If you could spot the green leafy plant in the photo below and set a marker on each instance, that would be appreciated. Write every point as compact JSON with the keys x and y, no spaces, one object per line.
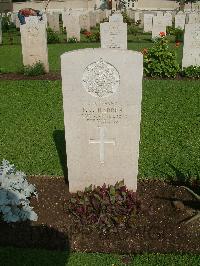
{"x":34,"y":70}
{"x":126,"y":18}
{"x":52,"y":36}
{"x":132,"y":29}
{"x":15,"y":192}
{"x":159,"y":60}
{"x":72,"y":40}
{"x":179,"y":34}
{"x":170,"y":30}
{"x":92,"y":36}
{"x":105,"y":207}
{"x":7,"y":25}
{"x":191,"y":72}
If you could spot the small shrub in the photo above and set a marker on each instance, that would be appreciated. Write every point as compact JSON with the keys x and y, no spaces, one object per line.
{"x":191,"y":72}
{"x":7,"y":25}
{"x":34,"y":70}
{"x":170,"y":30}
{"x":132,"y":29}
{"x":52,"y":36}
{"x":72,"y":40}
{"x":179,"y":35}
{"x":126,"y":18}
{"x":15,"y":192}
{"x":159,"y":60}
{"x":92,"y":37}
{"x":105,"y":207}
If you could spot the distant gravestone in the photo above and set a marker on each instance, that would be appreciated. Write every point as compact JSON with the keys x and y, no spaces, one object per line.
{"x":92,"y":18}
{"x":113,"y":35}
{"x":34,"y":42}
{"x":194,"y":18}
{"x":84,"y":20}
{"x":116,"y":17}
{"x":159,"y":25}
{"x":191,"y":49}
{"x":168,"y":19}
{"x":102,"y":113}
{"x":148,"y":22}
{"x":180,"y":21}
{"x":72,"y":25}
{"x":97,"y":16}
{"x":53,"y":21}
{"x":137,"y":16}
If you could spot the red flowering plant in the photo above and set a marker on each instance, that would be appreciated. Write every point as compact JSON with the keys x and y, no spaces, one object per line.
{"x":162,"y":34}
{"x":177,"y":44}
{"x":159,"y":60}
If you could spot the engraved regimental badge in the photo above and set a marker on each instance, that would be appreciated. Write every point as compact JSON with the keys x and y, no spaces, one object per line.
{"x":101,"y":79}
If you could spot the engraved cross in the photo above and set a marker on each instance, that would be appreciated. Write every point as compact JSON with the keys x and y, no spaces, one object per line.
{"x":102,"y":141}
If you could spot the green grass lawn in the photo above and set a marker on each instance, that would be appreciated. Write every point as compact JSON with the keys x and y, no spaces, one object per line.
{"x":32,"y":128}
{"x":29,"y":257}
{"x":11,"y":55}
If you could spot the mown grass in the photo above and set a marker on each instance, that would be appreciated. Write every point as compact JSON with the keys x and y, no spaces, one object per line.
{"x":32,"y":127}
{"x":11,"y":55}
{"x":33,"y":257}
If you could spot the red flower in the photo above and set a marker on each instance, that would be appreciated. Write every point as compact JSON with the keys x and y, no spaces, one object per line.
{"x":87,"y":33}
{"x":144,"y":51}
{"x":177,"y":44}
{"x":162,"y":34}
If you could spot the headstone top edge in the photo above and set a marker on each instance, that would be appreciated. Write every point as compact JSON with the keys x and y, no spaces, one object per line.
{"x":110,"y":50}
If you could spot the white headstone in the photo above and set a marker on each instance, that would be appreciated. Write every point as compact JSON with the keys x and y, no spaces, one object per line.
{"x":113,"y":35}
{"x":148,"y":22}
{"x":137,"y":16}
{"x":84,"y":20}
{"x":53,"y":21}
{"x":72,"y":25}
{"x":92,"y":18}
{"x":34,"y":42}
{"x":116,"y":17}
{"x":180,"y":21}
{"x":159,"y":25}
{"x":191,"y":49}
{"x":168,"y":19}
{"x":194,"y":18}
{"x":102,"y":93}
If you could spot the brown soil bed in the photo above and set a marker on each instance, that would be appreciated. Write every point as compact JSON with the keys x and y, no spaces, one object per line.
{"x":158,"y":227}
{"x":17,"y":76}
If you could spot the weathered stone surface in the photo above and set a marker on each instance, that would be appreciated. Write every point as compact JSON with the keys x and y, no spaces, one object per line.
{"x":191,"y":49}
{"x":53,"y":21}
{"x":34,"y":42}
{"x":148,"y":22}
{"x":113,"y":35}
{"x":116,"y":17}
{"x":72,"y":24}
{"x":85,"y":21}
{"x":180,"y":21}
{"x":102,"y":93}
{"x":159,"y":25}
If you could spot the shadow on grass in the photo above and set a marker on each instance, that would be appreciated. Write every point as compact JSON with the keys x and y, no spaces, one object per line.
{"x":59,"y":139}
{"x":27,"y":235}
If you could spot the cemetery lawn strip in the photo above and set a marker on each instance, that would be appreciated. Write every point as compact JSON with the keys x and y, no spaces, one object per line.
{"x":11,"y":55}
{"x":32,"y":128}
{"x":156,"y":229}
{"x":33,"y":257}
